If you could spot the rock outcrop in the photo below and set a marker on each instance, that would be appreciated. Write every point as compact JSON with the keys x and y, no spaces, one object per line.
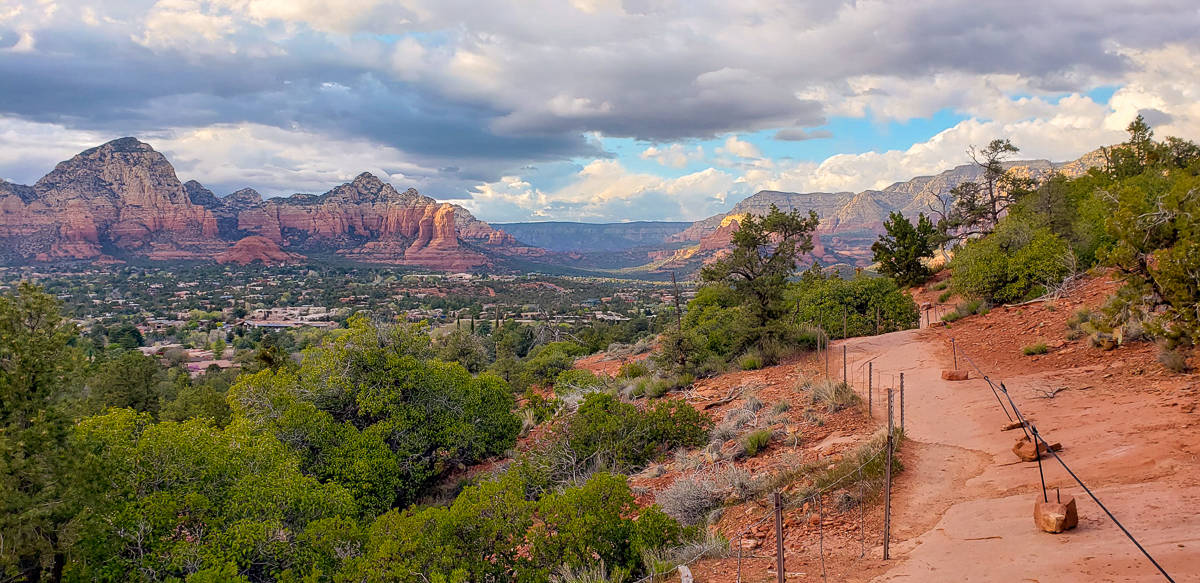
{"x":256,"y":248}
{"x":851,"y":222}
{"x":120,"y":197}
{"x":123,"y":198}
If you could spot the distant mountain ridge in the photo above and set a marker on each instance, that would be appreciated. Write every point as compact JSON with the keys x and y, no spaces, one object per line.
{"x":123,"y":199}
{"x":565,"y":236}
{"x":851,"y":222}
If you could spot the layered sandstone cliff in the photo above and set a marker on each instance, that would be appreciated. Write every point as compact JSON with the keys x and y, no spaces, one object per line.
{"x":123,"y":198}
{"x":119,"y":197}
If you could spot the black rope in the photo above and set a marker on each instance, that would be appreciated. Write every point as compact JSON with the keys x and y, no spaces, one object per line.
{"x":1110,"y":514}
{"x":1038,"y":438}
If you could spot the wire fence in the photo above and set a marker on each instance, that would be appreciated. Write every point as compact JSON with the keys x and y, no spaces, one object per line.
{"x":817,"y":494}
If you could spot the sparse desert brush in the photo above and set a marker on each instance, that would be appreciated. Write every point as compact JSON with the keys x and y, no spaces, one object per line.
{"x":739,"y":483}
{"x":941,"y":285}
{"x":810,"y":416}
{"x":1032,"y":349}
{"x":845,"y":501}
{"x":756,"y":441}
{"x":752,"y":404}
{"x":1075,"y":334}
{"x":595,"y":573}
{"x":723,"y":432}
{"x":945,"y":296}
{"x":781,"y":407}
{"x":660,"y":562}
{"x":689,"y":499}
{"x":1173,"y":359}
{"x":739,"y":418}
{"x":835,"y":396}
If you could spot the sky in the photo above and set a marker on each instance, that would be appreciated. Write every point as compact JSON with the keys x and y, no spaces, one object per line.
{"x":586,"y":110}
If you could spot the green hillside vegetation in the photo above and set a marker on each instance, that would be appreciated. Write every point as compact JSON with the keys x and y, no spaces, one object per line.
{"x":1136,"y":214}
{"x":320,"y":468}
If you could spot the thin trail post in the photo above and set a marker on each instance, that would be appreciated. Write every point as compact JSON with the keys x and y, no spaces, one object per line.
{"x":779,"y":566}
{"x":870,"y":389}
{"x":739,"y":559}
{"x":887,"y":486}
{"x":954,"y":351}
{"x":826,"y":357}
{"x":843,"y":364}
{"x":1041,"y":474}
{"x":862,"y":515}
{"x":821,"y":534}
{"x":901,"y":401}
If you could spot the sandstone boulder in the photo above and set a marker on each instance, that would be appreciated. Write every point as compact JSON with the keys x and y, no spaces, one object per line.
{"x":955,"y":375}
{"x":1057,"y":515}
{"x":1025,"y":450}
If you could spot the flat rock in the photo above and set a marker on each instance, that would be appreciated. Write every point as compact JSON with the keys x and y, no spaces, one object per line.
{"x":955,"y":375}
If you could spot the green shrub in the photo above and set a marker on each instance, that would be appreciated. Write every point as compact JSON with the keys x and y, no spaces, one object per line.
{"x":633,"y":369}
{"x":1032,"y":349}
{"x":823,"y":300}
{"x":941,"y":285}
{"x":621,"y":437}
{"x":752,"y":360}
{"x":1077,"y":319}
{"x":1013,"y":264}
{"x":575,"y":380}
{"x":945,"y":296}
{"x":756,"y":441}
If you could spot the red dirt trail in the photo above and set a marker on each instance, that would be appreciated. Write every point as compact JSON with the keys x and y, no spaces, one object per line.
{"x":962,"y":508}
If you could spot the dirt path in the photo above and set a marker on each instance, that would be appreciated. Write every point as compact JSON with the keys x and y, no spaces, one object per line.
{"x":963,"y":505}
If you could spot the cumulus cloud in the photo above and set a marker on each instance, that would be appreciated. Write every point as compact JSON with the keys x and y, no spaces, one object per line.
{"x":604,"y":190}
{"x":674,"y":155}
{"x":453,"y":94}
{"x":739,"y":149}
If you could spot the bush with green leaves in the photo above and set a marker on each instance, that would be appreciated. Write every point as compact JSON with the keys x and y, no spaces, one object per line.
{"x":620,"y":437}
{"x":870,"y":304}
{"x":377,"y":387}
{"x":167,"y":496}
{"x":1015,"y":263}
{"x":756,"y":441}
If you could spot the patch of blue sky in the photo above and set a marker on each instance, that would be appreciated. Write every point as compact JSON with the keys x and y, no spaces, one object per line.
{"x":848,"y":135}
{"x":1102,"y":94}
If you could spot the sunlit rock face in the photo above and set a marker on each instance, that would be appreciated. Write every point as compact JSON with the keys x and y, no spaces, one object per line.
{"x":123,"y":198}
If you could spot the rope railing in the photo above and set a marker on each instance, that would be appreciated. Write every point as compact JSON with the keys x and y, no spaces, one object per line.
{"x":1032,"y":433}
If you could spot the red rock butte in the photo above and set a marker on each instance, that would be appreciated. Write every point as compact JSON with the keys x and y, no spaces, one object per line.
{"x":123,"y":199}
